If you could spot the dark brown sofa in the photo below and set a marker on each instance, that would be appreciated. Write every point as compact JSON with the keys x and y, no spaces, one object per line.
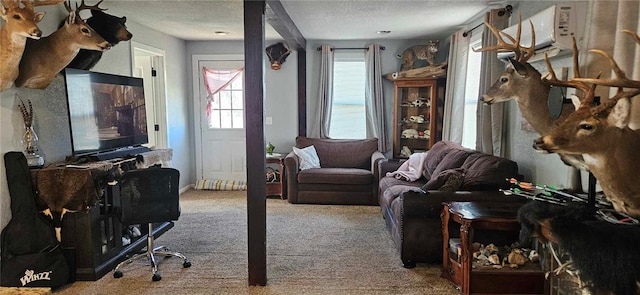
{"x":348,"y":173}
{"x":412,"y":212}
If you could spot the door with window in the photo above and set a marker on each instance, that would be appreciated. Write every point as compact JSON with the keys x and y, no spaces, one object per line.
{"x":222,"y":148}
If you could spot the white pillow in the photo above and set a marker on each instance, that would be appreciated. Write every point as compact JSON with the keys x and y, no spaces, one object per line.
{"x":308,"y":157}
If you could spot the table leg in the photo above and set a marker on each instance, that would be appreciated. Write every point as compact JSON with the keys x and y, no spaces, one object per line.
{"x":444,"y":216}
{"x":466,"y":238}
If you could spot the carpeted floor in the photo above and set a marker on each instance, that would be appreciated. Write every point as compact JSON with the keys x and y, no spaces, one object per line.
{"x":312,"y":249}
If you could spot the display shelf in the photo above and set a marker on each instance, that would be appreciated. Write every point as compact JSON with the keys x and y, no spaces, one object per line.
{"x":417,"y":115}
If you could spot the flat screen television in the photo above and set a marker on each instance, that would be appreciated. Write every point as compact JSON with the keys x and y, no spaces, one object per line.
{"x":106,"y":112}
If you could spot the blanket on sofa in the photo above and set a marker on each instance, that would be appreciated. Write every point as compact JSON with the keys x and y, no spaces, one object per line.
{"x":411,"y":169}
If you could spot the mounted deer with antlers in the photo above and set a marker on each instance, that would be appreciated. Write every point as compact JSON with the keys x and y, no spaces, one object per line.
{"x":522,"y":83}
{"x":44,"y":58}
{"x":20,"y":23}
{"x":602,"y":136}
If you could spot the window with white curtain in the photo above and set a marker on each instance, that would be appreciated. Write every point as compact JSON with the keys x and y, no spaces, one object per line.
{"x":348,"y":111}
{"x":472,"y":92}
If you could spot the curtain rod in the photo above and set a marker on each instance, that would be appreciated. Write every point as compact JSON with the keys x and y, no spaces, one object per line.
{"x":348,"y":48}
{"x":502,"y":11}
{"x":466,"y":33}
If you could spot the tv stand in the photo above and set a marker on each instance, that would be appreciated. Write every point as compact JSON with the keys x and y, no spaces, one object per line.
{"x":119,"y":153}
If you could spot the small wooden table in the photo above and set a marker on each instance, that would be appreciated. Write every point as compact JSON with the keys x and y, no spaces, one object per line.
{"x":276,"y":188}
{"x":528,"y":279}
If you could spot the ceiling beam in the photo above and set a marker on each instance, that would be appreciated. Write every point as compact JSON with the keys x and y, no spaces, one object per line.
{"x":280,"y":21}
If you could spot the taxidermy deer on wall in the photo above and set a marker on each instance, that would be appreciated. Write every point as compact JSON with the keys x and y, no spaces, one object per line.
{"x":522,"y":83}
{"x":44,"y":58}
{"x":601,"y":134}
{"x":20,"y":23}
{"x":111,"y":28}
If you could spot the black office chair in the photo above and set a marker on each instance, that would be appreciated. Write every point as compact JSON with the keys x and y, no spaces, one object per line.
{"x":150,"y":196}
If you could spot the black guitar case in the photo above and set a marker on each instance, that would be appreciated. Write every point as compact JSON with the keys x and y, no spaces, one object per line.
{"x":31,"y":255}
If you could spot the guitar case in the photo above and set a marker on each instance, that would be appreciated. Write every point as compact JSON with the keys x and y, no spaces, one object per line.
{"x":31,"y":256}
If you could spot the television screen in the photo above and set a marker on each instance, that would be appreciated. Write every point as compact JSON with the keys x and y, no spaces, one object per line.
{"x":106,"y":112}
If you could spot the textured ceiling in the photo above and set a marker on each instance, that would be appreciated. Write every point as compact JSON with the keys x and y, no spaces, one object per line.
{"x":329,"y":19}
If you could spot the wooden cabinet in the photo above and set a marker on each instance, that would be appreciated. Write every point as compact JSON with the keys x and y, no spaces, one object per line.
{"x":92,"y":240}
{"x":275,"y":183}
{"x":477,"y":221}
{"x":417,"y":114}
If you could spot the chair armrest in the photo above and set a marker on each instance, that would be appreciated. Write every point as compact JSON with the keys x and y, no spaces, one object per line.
{"x":388,"y":165}
{"x":292,"y":163}
{"x":291,"y":167}
{"x":375,"y":158}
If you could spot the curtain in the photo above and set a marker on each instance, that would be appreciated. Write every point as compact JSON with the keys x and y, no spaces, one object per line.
{"x":374,"y":98}
{"x":216,"y":80}
{"x":322,"y":119}
{"x":457,"y":75}
{"x":604,"y":31}
{"x":491,"y":118}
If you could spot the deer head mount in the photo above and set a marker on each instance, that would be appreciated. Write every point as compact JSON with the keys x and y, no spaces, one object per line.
{"x":522,"y":82}
{"x":111,"y":28}
{"x":277,"y":54}
{"x":20,"y":23}
{"x":601,"y":134}
{"x":44,"y":58}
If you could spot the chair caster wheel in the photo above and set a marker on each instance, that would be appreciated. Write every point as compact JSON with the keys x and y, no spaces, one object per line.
{"x":117,"y":274}
{"x":409,"y":264}
{"x":186,"y":264}
{"x":156,"y":277}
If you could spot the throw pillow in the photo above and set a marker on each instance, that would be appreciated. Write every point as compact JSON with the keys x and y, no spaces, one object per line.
{"x":454,"y":182}
{"x":308,"y":157}
{"x":439,"y":180}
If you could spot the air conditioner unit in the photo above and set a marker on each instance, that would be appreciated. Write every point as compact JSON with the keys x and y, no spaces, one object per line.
{"x":554,"y":28}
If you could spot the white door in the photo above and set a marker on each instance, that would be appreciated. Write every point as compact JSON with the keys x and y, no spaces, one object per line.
{"x":222,"y":144}
{"x":148,"y":64}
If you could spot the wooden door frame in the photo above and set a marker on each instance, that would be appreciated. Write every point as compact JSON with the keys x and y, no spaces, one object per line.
{"x":160,"y":97}
{"x":197,"y":79}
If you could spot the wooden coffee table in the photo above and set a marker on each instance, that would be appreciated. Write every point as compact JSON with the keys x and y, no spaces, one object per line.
{"x":528,"y":279}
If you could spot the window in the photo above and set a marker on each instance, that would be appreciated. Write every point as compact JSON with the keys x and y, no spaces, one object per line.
{"x":348,"y":111}
{"x":471,"y":93}
{"x":225,"y":107}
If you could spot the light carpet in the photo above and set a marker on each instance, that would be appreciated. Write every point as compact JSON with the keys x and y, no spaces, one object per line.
{"x":311,"y":249}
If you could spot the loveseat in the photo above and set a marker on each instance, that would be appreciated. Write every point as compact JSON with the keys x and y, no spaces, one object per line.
{"x":347,"y":172}
{"x":449,"y":172}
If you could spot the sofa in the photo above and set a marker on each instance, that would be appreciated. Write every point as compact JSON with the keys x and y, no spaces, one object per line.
{"x":347,"y":173}
{"x":450,"y":172}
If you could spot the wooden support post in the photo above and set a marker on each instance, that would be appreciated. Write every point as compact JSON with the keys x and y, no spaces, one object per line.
{"x":254,"y":22}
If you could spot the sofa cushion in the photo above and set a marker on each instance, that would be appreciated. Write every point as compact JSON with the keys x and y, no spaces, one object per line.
{"x":390,"y":182}
{"x":454,"y":159}
{"x":308,"y":157}
{"x":341,"y":153}
{"x":487,"y":172}
{"x":335,"y":176}
{"x":435,"y":155}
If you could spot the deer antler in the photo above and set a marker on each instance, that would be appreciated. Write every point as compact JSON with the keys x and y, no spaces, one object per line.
{"x":621,"y":79}
{"x":10,"y":4}
{"x":522,"y":53}
{"x":633,"y":35}
{"x":82,"y":6}
{"x":92,"y":7}
{"x":31,"y":5}
{"x":576,"y":82}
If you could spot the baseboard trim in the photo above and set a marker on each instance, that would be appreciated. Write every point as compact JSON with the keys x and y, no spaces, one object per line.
{"x":186,"y":188}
